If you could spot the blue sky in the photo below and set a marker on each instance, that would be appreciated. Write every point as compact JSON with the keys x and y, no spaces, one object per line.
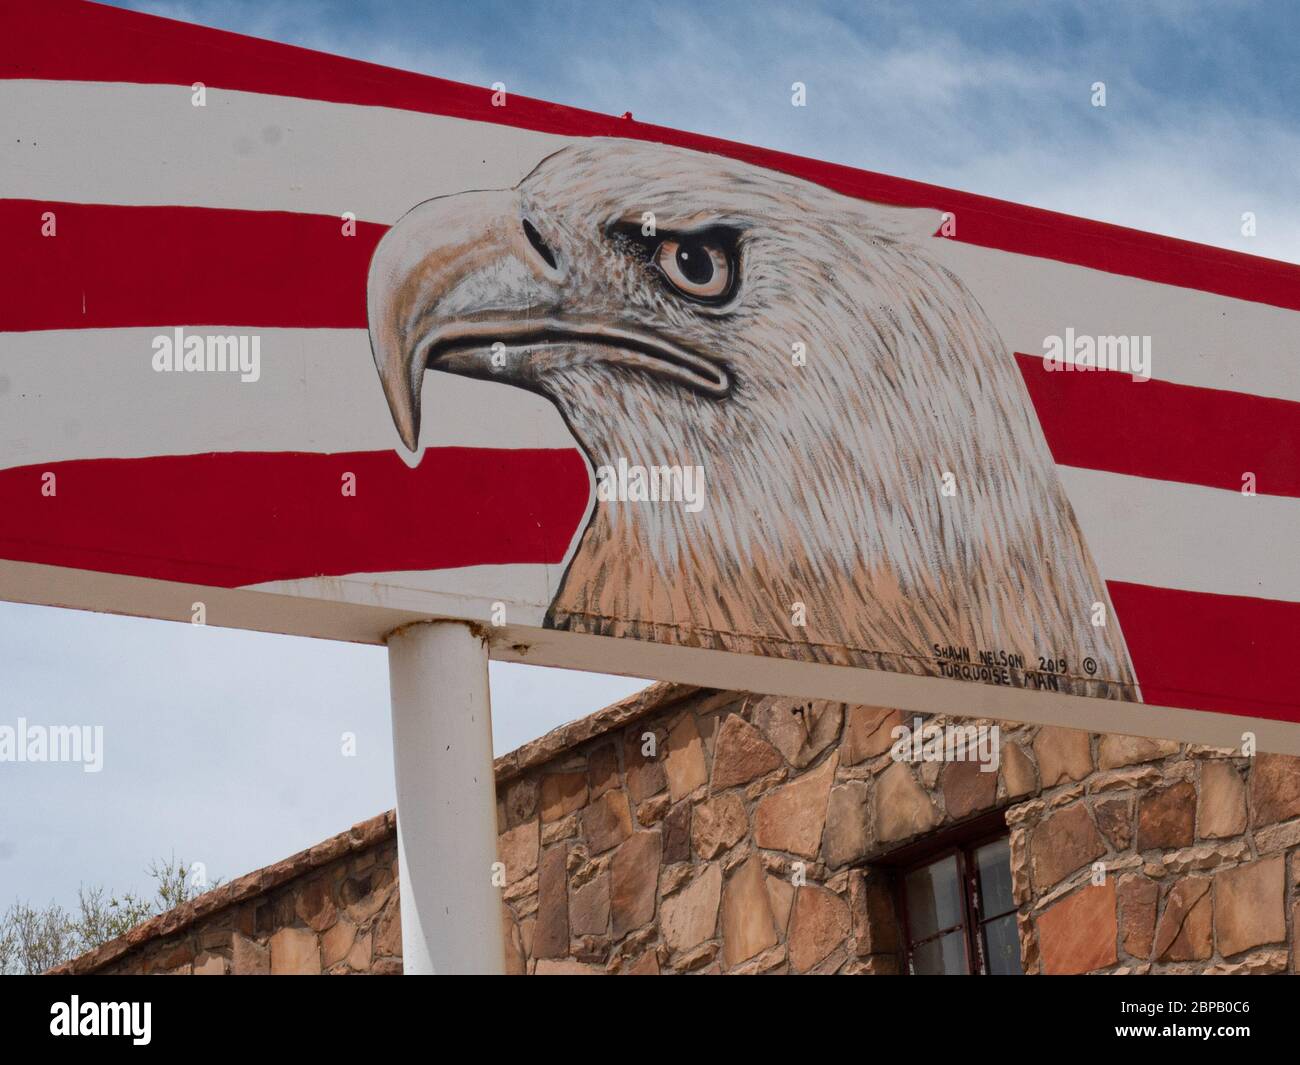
{"x":224,"y":746}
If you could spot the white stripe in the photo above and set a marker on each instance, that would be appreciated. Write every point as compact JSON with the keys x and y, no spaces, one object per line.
{"x":1188,"y":536}
{"x":1197,"y":338}
{"x":93,"y":393}
{"x":98,"y":142}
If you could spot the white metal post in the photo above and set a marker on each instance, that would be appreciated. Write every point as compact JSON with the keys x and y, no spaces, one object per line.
{"x":446,"y":799}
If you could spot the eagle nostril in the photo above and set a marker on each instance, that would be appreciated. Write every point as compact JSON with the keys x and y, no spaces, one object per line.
{"x":539,"y":245}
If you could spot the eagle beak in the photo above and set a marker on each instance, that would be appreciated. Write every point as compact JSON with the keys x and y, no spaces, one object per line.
{"x":450,"y":258}
{"x":466,"y":284}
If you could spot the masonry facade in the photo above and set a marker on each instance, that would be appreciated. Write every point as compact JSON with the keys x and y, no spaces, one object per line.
{"x":688,"y":830}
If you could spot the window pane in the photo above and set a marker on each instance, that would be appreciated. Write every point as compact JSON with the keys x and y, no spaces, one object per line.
{"x":994,"y":863}
{"x":934,"y":898}
{"x":947,"y":954}
{"x":1002,"y":946}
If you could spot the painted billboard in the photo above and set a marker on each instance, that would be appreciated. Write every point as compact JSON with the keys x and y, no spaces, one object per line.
{"x":302,"y":344}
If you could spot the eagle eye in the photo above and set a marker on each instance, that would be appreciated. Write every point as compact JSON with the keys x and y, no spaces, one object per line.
{"x":695,"y":267}
{"x":701,"y":266}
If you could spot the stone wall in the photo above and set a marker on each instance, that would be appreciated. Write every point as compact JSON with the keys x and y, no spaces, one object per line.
{"x":694,"y":831}
{"x":1201,"y":850}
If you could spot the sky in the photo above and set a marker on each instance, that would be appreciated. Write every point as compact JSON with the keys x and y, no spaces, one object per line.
{"x":225,"y":748}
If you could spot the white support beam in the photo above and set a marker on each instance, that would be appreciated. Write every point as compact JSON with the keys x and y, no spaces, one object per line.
{"x":446,"y":799}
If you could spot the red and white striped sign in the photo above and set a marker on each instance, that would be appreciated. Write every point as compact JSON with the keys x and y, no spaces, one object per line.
{"x":129,"y":213}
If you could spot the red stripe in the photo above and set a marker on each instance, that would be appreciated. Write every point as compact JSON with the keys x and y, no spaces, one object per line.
{"x":123,"y":266}
{"x":1227,"y":653}
{"x":1166,"y":431}
{"x":227,"y":520}
{"x":70,"y":40}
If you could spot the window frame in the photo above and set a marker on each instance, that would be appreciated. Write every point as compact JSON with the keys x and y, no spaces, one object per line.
{"x":961,"y":842}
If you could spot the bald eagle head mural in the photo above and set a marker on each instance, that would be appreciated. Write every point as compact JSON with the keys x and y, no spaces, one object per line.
{"x":877,"y":491}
